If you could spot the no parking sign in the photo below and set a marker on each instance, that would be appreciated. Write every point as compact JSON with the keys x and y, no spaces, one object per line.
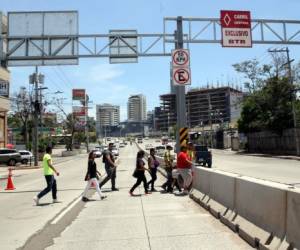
{"x":181,"y":72}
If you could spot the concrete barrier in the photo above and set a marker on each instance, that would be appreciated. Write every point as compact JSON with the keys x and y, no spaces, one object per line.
{"x":264,"y":213}
{"x":293,"y":218}
{"x":201,"y":182}
{"x":222,"y":194}
{"x":261,"y":211}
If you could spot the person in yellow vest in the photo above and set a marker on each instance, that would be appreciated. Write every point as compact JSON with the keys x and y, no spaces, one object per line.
{"x":49,"y":171}
{"x":191,"y":151}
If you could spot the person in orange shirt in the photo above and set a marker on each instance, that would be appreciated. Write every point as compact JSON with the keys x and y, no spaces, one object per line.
{"x":184,"y":166}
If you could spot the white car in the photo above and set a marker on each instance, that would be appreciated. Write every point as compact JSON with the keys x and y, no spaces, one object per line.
{"x":115,"y":151}
{"x":26,"y":156}
{"x":148,"y":146}
{"x":97,"y":153}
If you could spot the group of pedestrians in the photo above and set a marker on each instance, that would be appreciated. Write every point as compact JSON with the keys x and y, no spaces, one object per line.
{"x":92,"y":176}
{"x":179,"y":175}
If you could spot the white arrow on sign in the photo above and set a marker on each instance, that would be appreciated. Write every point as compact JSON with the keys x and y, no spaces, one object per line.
{"x":181,"y":76}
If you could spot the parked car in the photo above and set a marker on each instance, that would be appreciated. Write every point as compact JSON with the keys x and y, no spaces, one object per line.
{"x":160,"y":150}
{"x":9,"y":156}
{"x":122,"y":145}
{"x":97,"y":152}
{"x":140,"y":140}
{"x":148,"y":146}
{"x":26,"y":156}
{"x":203,"y":156}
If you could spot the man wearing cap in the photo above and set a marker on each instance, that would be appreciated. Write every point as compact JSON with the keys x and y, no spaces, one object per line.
{"x":167,"y":186}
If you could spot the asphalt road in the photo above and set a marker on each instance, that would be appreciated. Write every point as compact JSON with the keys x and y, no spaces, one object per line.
{"x":286,"y":171}
{"x":158,"y":221}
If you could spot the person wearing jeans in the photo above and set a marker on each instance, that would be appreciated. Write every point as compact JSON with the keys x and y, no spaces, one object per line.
{"x":110,"y":168}
{"x":152,"y":165}
{"x":49,"y":171}
{"x":92,"y":178}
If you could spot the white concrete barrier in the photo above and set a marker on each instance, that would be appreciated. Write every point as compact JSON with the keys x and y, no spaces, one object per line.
{"x":222,"y":194}
{"x":293,"y":218}
{"x":261,"y":211}
{"x":201,"y":182}
{"x":264,"y":213}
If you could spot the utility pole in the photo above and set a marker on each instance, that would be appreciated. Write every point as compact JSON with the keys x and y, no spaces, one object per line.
{"x":210,"y":120}
{"x":36,"y":116}
{"x":86,"y":107}
{"x":293,"y":95}
{"x":35,"y":79}
{"x":180,"y":90}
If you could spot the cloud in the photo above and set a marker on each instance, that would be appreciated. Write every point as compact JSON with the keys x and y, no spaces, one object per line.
{"x":100,"y":73}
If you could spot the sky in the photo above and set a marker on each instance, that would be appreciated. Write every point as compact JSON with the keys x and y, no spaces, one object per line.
{"x":114,"y":83}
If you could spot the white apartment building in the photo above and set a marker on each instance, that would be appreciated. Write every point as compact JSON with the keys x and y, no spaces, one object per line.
{"x":107,"y":115}
{"x":136,"y":108}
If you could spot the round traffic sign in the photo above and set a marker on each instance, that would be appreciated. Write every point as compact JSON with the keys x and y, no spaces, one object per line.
{"x":180,"y":57}
{"x":181,"y":76}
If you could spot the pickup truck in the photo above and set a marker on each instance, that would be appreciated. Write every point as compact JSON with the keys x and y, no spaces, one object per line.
{"x":203,"y":156}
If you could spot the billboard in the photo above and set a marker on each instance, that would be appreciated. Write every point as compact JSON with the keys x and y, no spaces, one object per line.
{"x":123,"y":49}
{"x":79,"y":111}
{"x":78,"y":94}
{"x":61,"y":25}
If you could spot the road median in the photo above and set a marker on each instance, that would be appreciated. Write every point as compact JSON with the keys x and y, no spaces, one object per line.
{"x":264,"y":213}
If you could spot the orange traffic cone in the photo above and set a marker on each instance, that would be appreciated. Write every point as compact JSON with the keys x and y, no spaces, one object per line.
{"x":10,"y":184}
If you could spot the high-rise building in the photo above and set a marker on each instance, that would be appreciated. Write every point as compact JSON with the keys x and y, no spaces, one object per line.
{"x":107,"y":115}
{"x":137,"y":108}
{"x":213,"y":106}
{"x":203,"y":107}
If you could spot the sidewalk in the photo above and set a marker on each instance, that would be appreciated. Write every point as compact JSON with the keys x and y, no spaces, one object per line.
{"x":156,"y":221}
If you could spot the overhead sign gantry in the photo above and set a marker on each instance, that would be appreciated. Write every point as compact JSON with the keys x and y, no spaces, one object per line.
{"x":52,"y":38}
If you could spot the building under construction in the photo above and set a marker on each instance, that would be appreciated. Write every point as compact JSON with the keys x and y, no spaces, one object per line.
{"x":204,"y":107}
{"x":167,"y":116}
{"x":213,"y":106}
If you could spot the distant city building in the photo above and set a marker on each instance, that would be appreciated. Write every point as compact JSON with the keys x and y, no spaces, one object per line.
{"x":150,"y":119}
{"x":49,"y":116}
{"x":203,"y":106}
{"x":213,"y":106}
{"x":137,"y":108}
{"x":4,"y":105}
{"x":166,"y":116}
{"x":107,"y":116}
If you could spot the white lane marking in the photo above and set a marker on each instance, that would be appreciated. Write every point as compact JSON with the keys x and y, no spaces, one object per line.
{"x":66,"y":210}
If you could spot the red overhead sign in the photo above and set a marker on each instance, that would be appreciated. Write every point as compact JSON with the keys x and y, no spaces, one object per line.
{"x":236,"y":28}
{"x":78,"y":94}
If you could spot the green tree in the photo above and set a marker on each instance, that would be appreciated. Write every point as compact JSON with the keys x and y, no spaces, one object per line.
{"x":269,"y":108}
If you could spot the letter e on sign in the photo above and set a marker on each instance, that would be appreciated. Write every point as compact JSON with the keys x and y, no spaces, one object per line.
{"x":181,"y":76}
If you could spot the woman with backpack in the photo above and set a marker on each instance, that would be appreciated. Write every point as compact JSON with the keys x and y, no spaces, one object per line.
{"x":92,"y":177}
{"x":139,"y":173}
{"x":153,"y":165}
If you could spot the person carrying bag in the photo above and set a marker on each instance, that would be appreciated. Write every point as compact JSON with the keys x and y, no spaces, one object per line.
{"x":139,"y":173}
{"x":92,"y":176}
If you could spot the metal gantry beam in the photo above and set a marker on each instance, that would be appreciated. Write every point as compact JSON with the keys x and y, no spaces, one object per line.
{"x":208,"y":30}
{"x":83,"y":46}
{"x":195,"y":30}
